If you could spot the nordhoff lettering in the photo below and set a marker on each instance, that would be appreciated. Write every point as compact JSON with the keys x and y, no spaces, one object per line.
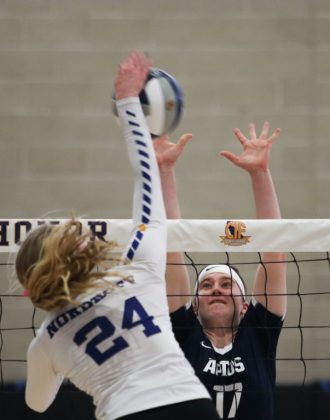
{"x":224,"y":367}
{"x":67,"y":316}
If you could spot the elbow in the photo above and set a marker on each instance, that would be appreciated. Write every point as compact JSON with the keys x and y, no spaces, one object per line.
{"x":36,"y":405}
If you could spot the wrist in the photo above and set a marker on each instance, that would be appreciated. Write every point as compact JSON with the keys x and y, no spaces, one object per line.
{"x":259,"y":172}
{"x":166,"y":169}
{"x":127,"y":100}
{"x":124,"y":95}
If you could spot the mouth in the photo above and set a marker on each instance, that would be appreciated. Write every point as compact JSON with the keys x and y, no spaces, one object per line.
{"x":218,"y":300}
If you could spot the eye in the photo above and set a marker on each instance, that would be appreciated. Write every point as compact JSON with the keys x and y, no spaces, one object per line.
{"x":206,"y":285}
{"x":226,"y":284}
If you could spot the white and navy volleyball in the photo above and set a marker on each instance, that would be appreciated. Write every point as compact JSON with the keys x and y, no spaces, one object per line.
{"x":162,"y":102}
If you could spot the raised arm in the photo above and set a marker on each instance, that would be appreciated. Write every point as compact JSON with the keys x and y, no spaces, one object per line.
{"x":43,"y":381}
{"x":149,"y":219}
{"x":177,"y":277}
{"x":270,"y":281}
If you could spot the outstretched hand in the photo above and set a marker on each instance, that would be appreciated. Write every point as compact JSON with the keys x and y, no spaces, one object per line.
{"x":256,"y":150}
{"x":131,"y":75}
{"x":167,"y":153}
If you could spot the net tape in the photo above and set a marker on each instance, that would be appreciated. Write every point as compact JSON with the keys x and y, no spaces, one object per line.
{"x":195,"y":235}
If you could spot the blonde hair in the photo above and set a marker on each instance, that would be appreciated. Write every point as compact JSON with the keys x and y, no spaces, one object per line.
{"x":56,"y":264}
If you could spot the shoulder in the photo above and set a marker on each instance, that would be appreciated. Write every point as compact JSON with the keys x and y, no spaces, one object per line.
{"x":186,"y":326}
{"x":257,"y":314}
{"x":261,"y":327}
{"x":185,"y":314}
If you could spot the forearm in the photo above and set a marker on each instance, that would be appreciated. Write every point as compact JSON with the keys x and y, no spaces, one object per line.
{"x":172,"y":206}
{"x":149,"y":217}
{"x":266,"y":201}
{"x":177,"y":277}
{"x":270,"y":284}
{"x":42,"y":382}
{"x":147,"y":194}
{"x":170,"y":194}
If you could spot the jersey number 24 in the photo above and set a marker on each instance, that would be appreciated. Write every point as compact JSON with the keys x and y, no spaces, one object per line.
{"x":106,"y":329}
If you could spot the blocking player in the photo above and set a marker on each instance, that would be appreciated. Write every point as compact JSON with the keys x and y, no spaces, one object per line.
{"x":230,"y":342}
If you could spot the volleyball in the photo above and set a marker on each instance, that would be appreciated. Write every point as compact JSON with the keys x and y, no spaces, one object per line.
{"x":162,"y":102}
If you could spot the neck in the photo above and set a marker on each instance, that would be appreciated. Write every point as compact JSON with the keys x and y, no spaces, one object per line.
{"x":221,"y":337}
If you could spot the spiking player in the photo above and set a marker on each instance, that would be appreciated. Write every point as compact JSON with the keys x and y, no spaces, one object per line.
{"x":109,"y":332}
{"x":231,"y":344}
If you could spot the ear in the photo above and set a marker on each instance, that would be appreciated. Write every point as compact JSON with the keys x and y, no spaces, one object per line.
{"x":194,"y":305}
{"x":244,"y":308}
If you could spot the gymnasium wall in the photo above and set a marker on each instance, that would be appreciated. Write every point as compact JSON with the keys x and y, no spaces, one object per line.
{"x":238,"y":61}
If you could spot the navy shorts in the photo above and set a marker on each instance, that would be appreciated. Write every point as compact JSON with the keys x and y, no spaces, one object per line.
{"x":192,"y":410}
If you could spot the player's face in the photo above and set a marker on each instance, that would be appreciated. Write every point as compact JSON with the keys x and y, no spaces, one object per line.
{"x":220,"y":301}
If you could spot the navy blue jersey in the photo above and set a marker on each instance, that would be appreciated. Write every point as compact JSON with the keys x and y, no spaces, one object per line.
{"x":240,"y":377}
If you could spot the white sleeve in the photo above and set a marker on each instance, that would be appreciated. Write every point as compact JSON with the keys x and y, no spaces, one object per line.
{"x":42,"y":382}
{"x":148,"y":241}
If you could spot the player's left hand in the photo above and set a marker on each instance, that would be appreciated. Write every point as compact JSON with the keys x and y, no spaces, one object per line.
{"x":256,"y":150}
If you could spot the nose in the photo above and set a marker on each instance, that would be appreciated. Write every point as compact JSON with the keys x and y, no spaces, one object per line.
{"x":217,"y":290}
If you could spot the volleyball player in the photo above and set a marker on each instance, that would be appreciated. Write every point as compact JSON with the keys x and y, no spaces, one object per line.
{"x":109,"y":332}
{"x":230,"y":342}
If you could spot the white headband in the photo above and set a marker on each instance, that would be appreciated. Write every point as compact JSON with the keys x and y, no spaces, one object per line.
{"x":224,"y":269}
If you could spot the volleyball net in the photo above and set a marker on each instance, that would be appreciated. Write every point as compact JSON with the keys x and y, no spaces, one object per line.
{"x":303,"y":355}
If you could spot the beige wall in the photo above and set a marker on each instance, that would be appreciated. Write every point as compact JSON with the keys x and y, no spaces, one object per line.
{"x":237,"y":61}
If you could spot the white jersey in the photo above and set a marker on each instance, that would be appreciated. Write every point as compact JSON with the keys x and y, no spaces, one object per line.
{"x":119,"y":347}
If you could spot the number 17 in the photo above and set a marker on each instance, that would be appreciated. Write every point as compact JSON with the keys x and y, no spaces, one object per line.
{"x":221,"y":389}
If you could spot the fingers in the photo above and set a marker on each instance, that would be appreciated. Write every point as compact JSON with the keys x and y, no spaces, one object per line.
{"x":240,"y":136}
{"x":252,"y":131}
{"x":184,"y":139}
{"x":163,"y":143}
{"x":275,"y":135}
{"x":264,"y":131}
{"x":230,"y":156}
{"x":137,"y":59}
{"x":138,"y":62}
{"x":131,"y":75}
{"x":263,"y":134}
